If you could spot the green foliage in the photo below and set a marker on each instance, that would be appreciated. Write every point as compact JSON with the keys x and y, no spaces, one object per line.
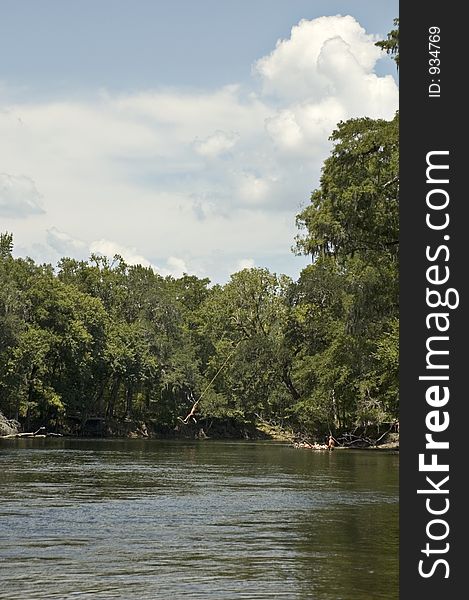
{"x":100,"y":338}
{"x":391,"y":44}
{"x":247,"y":318}
{"x":6,"y":245}
{"x":346,"y":302}
{"x":356,"y":210}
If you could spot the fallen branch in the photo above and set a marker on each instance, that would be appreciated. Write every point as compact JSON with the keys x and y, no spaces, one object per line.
{"x":349,"y":439}
{"x":27,"y":434}
{"x":31,"y":434}
{"x":384,"y":434}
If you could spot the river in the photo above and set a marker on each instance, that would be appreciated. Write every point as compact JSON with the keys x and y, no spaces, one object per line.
{"x":150,"y":519}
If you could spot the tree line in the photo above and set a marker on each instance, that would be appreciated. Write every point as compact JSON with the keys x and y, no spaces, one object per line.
{"x":106,"y":339}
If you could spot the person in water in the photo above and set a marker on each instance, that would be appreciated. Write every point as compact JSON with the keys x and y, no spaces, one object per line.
{"x":330,"y":443}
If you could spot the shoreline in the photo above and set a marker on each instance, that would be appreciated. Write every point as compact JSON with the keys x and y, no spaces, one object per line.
{"x":386,"y":447}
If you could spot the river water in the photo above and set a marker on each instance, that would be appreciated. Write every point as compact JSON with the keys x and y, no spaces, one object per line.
{"x":150,"y":519}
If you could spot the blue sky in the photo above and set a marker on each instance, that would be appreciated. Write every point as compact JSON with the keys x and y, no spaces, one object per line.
{"x":184,"y":135}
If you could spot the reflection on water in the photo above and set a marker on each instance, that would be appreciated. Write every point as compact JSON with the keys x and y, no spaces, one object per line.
{"x":147,"y":519}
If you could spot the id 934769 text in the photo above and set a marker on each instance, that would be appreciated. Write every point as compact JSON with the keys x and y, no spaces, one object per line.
{"x":434,"y":62}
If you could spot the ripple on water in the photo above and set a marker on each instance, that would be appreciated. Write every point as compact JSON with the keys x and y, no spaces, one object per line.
{"x":189,"y":520}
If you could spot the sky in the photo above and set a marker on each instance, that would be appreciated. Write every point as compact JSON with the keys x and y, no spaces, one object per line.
{"x":183,"y":135}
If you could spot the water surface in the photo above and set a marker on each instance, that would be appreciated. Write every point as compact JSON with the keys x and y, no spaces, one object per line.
{"x":150,"y":519}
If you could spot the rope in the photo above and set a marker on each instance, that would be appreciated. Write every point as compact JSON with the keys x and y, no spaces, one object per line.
{"x":192,"y":411}
{"x":220,"y":369}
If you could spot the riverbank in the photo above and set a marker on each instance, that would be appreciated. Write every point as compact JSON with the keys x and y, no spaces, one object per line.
{"x":217,"y":429}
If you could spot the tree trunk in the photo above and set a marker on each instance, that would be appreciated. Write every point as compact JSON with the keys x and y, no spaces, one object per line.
{"x":30,"y":394}
{"x":289,"y":384}
{"x":128,"y":400}
{"x":113,"y":397}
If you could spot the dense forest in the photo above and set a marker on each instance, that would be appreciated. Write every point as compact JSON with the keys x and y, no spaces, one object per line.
{"x":118,"y":343}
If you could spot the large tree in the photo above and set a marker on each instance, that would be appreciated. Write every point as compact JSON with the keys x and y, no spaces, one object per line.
{"x":346,"y":302}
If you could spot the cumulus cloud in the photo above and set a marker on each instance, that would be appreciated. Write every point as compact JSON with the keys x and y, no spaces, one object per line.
{"x":64,"y":244}
{"x":216,"y":144}
{"x":284,"y":129}
{"x":245,"y":263}
{"x":321,"y":74}
{"x":191,"y":179}
{"x":176,"y":266}
{"x":252,"y":189}
{"x":294,"y":69}
{"x":110,"y":249}
{"x":19,"y":197}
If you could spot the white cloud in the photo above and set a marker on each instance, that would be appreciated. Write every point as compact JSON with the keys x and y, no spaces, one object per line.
{"x":216,"y":144}
{"x":19,"y":197}
{"x":64,"y":244}
{"x":253,"y":190}
{"x":293,"y":70}
{"x":245,"y":263}
{"x":284,"y":129}
{"x":176,"y":266}
{"x":322,"y":74}
{"x":110,"y":249}
{"x":192,"y":181}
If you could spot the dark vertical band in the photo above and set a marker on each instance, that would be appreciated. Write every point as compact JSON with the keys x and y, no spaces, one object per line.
{"x":434,"y":262}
